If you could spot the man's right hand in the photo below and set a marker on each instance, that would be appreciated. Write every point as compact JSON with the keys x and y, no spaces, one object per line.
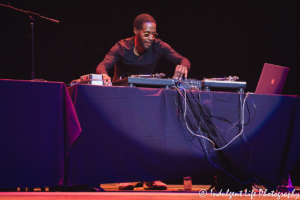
{"x":106,"y":80}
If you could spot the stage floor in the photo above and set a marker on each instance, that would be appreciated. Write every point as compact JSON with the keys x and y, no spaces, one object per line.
{"x":174,"y":192}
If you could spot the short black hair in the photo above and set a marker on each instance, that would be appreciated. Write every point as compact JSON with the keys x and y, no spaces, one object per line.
{"x":141,"y":19}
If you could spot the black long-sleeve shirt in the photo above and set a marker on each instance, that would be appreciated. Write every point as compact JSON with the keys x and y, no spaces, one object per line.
{"x":127,"y":63}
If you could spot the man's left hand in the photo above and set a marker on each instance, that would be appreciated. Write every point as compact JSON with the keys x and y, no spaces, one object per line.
{"x":180,"y":71}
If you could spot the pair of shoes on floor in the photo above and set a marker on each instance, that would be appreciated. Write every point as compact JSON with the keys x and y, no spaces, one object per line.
{"x":152,"y":185}
{"x":125,"y":186}
{"x":155,"y":185}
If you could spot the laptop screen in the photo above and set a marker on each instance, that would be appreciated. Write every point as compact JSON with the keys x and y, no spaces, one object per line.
{"x":272,"y":79}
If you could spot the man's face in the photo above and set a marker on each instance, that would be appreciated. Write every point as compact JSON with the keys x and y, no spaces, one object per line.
{"x":145,"y":36}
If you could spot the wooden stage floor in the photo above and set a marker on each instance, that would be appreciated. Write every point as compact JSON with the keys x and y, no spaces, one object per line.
{"x":174,"y":192}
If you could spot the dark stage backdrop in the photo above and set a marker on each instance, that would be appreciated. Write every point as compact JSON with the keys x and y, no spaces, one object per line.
{"x":220,"y":38}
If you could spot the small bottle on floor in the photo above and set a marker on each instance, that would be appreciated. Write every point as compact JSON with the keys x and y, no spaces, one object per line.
{"x":187,"y":183}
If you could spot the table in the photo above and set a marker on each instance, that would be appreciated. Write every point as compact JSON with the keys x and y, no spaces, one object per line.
{"x":136,"y":134}
{"x":38,"y":126}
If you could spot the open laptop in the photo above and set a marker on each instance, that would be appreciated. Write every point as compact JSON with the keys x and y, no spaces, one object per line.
{"x":272,"y":79}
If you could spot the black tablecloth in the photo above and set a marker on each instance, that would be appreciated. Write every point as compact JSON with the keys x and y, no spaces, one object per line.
{"x":38,"y":126}
{"x":136,"y":134}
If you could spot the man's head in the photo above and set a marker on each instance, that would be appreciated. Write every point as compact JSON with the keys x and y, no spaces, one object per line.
{"x":144,"y":28}
{"x":141,"y":19}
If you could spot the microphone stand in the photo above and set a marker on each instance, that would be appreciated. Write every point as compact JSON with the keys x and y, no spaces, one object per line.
{"x":32,"y":47}
{"x":31,"y":14}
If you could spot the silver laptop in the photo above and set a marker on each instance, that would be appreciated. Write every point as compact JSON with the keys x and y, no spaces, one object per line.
{"x":272,"y":79}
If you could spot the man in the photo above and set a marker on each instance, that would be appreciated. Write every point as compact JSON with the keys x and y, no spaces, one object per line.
{"x":140,"y":55}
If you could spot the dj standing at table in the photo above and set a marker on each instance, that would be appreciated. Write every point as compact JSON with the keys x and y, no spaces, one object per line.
{"x":140,"y":55}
